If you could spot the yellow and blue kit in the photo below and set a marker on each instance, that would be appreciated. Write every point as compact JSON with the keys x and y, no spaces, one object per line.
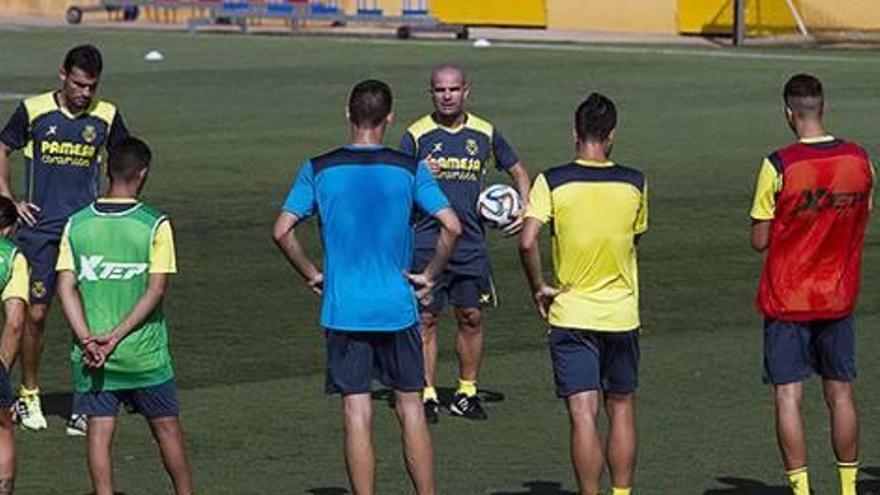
{"x":463,"y":154}
{"x":596,"y":210}
{"x":64,"y":154}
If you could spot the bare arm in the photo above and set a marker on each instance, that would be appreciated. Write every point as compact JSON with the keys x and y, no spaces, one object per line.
{"x":530,"y":255}
{"x":25,"y":210}
{"x":521,"y":181}
{"x":156,"y":287}
{"x":450,"y":230}
{"x":760,"y":235}
{"x":71,"y":303}
{"x":15,"y":310}
{"x":284,"y":235}
{"x":5,"y":171}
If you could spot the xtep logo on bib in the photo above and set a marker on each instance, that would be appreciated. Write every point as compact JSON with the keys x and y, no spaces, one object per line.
{"x":94,"y":268}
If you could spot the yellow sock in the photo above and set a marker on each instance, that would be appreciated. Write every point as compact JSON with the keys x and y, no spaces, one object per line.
{"x":620,"y":491}
{"x":848,"y":471}
{"x":467,"y":387}
{"x":22,"y":390}
{"x":429,"y":393}
{"x":798,"y":481}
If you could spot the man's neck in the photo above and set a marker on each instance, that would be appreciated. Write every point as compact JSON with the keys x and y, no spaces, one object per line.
{"x":592,"y":152}
{"x":809,"y":130}
{"x":451,"y":121}
{"x":121,"y":192}
{"x":367,"y":137}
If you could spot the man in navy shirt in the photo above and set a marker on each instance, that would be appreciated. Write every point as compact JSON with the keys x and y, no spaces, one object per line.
{"x":63,"y":136}
{"x":459,"y":147}
{"x":364,"y":195}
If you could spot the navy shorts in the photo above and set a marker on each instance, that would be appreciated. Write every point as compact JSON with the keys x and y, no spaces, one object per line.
{"x":793,"y":351}
{"x":158,"y":401}
{"x":41,"y":253}
{"x":463,"y":285}
{"x":7,"y":396}
{"x":355,"y":359}
{"x":586,"y":360}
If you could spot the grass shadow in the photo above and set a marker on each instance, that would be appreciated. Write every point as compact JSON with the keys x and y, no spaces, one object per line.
{"x":444,"y":394}
{"x":328,"y":490}
{"x":869,"y":486}
{"x":745,"y":486}
{"x":57,"y":404}
{"x":539,"y":487}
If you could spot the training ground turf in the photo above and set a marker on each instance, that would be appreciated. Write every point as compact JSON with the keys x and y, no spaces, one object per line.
{"x":230,"y":119}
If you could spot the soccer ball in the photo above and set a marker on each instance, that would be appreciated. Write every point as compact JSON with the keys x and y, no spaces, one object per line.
{"x":499,"y":205}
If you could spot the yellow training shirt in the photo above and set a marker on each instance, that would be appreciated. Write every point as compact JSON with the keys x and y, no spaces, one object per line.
{"x":595,"y":210}
{"x":19,"y":281}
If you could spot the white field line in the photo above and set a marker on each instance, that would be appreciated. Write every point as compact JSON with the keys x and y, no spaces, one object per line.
{"x":635,"y":50}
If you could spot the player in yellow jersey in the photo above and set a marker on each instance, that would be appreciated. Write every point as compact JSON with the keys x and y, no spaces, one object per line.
{"x":14,"y":283}
{"x":598,"y":210}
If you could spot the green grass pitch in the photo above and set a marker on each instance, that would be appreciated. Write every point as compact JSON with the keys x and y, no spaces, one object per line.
{"x":230,"y":119}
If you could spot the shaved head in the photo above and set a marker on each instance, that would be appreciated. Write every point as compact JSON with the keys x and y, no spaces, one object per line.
{"x":448,"y":70}
{"x":804,"y":97}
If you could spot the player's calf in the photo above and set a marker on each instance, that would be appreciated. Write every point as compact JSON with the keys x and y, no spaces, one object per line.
{"x":172,"y":447}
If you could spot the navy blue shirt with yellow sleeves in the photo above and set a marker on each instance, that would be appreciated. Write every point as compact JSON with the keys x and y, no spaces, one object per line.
{"x":596,"y":210}
{"x":63,"y":153}
{"x":464,"y":155}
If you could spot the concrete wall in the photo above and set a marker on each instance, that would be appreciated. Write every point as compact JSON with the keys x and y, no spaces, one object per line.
{"x":774,"y":16}
{"x":43,"y":8}
{"x":656,"y":16}
{"x":863,"y":15}
{"x":716,"y":16}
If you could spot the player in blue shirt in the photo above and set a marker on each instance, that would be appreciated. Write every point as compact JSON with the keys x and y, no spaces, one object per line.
{"x":459,"y":147}
{"x":63,"y":136}
{"x":364,"y":195}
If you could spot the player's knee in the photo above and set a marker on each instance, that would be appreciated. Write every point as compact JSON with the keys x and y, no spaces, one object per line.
{"x":469,"y":320}
{"x":583,"y":406}
{"x":408,"y":405}
{"x":620,"y":403}
{"x":788,"y":395}
{"x":839,"y":396}
{"x":37,"y":316}
{"x":429,"y":322}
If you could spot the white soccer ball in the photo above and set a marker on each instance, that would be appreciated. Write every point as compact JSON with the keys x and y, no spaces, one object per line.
{"x":499,"y":205}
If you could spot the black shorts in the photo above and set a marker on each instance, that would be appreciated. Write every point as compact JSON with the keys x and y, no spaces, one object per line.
{"x":355,"y":359}
{"x":467,"y":285}
{"x":793,"y":351}
{"x":157,"y":401}
{"x":41,"y":253}
{"x":585,"y":360}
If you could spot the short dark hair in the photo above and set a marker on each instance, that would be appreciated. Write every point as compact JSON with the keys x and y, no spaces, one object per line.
{"x":369,"y":103}
{"x":86,"y":58}
{"x":803,"y":95}
{"x":595,"y":118}
{"x":127,"y":158}
{"x":8,"y":212}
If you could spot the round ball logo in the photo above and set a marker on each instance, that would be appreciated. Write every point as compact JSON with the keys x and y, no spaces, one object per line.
{"x":89,"y":134}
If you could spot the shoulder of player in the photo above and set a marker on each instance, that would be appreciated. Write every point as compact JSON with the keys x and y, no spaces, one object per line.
{"x":371,"y":156}
{"x":797,"y":150}
{"x":104,"y":110}
{"x":573,"y":172}
{"x":421,"y":127}
{"x":39,"y":105}
{"x":479,"y":124}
